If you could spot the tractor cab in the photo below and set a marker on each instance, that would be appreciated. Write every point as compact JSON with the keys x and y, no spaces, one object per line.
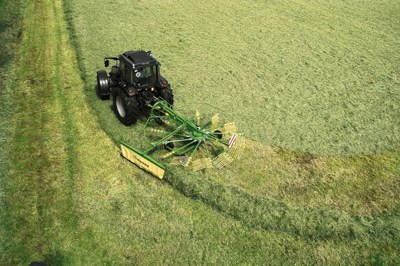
{"x":134,"y":82}
{"x":138,"y":68}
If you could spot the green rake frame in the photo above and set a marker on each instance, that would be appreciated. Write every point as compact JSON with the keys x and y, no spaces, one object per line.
{"x":197,"y":142}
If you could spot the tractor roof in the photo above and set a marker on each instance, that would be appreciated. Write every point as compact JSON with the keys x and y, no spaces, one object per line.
{"x":140,"y":58}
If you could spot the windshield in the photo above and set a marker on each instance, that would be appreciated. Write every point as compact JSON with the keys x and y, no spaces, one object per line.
{"x":145,"y":74}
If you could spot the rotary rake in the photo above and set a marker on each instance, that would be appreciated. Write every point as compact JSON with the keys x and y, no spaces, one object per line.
{"x":196,"y":142}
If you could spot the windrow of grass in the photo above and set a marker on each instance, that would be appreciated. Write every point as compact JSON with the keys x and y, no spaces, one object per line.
{"x":70,"y":199}
{"x":358,"y":185}
{"x":270,"y":214}
{"x":236,"y":191}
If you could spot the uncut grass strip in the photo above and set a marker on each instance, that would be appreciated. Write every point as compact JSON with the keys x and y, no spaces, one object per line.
{"x":68,"y":17}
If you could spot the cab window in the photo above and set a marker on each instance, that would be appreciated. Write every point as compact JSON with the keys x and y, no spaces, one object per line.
{"x":128,"y":75}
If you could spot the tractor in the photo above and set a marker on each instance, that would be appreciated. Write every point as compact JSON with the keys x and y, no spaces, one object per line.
{"x":137,"y":88}
{"x":134,"y":84}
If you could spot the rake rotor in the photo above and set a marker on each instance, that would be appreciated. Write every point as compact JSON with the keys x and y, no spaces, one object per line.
{"x":195,"y":142}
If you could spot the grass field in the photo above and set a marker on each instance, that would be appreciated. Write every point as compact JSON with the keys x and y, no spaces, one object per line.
{"x":314,"y":87}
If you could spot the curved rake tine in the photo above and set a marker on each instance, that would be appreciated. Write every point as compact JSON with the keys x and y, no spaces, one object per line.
{"x":213,"y":122}
{"x":197,"y":118}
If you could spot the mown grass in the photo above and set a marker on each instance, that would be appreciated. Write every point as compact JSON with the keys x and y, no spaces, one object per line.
{"x":322,"y":78}
{"x":72,"y":200}
{"x":358,"y":185}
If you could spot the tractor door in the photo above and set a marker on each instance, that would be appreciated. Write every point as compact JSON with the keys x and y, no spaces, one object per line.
{"x":127,"y":73}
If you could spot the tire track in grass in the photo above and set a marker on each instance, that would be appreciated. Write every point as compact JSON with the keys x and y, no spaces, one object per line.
{"x":59,"y":79}
{"x":10,"y":26}
{"x":77,"y":140}
{"x":40,"y":217}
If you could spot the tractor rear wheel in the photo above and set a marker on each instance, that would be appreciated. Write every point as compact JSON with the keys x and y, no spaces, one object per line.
{"x":125,"y":108}
{"x":167,"y":95}
{"x":103,"y":86}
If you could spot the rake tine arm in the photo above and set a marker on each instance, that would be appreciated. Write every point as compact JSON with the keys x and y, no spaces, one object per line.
{"x":154,"y":145}
{"x":185,"y":148}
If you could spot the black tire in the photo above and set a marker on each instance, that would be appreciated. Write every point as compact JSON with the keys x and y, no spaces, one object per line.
{"x":167,"y":95}
{"x":218,"y":134}
{"x":125,"y":108}
{"x":103,"y":85}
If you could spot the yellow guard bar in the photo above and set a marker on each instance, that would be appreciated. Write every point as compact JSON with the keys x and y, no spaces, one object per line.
{"x":143,"y":161}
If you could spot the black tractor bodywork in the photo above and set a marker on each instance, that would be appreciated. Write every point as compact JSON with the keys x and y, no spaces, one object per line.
{"x":134,"y":84}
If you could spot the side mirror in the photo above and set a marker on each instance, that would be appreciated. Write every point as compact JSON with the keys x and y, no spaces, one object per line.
{"x":106,"y":63}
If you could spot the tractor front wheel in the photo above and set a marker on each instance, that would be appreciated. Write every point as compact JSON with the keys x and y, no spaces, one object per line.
{"x":103,"y":86}
{"x":125,"y":108}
